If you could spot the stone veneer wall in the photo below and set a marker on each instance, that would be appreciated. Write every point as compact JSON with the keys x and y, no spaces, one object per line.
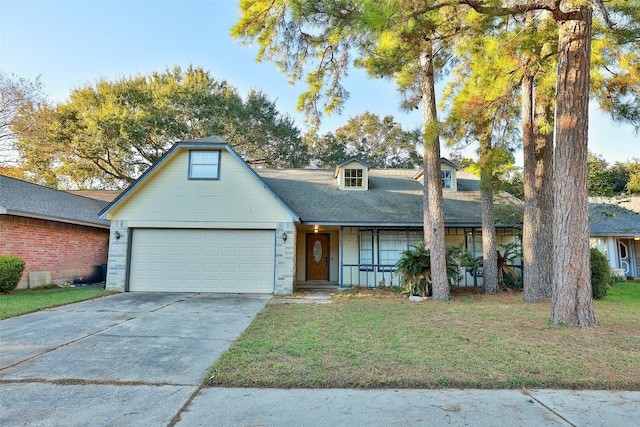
{"x":118,"y":254}
{"x":285,"y":269}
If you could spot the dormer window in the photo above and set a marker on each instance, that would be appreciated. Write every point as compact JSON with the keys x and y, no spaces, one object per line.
{"x":448,"y":175}
{"x":353,"y":177}
{"x":447,"y":179}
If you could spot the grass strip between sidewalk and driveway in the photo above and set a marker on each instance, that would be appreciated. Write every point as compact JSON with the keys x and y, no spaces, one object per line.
{"x":23,"y":301}
{"x":373,"y":339}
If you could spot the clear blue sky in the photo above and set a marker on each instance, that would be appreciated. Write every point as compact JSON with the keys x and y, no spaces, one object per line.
{"x":70,"y":44}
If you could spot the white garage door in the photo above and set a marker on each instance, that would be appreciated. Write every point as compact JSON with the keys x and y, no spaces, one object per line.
{"x":178,"y":260}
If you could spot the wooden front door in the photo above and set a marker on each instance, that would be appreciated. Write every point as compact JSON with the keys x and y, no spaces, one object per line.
{"x":317,"y":256}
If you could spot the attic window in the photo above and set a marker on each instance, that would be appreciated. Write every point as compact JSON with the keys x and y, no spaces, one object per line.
{"x":446,"y":179}
{"x":353,"y":177}
{"x":204,"y":164}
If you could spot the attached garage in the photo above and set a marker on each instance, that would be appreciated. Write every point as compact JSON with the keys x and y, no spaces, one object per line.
{"x":201,"y":220}
{"x":202,"y":260}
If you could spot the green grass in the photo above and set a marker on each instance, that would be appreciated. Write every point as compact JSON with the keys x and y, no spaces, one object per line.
{"x":22,"y":301}
{"x":474,"y":341}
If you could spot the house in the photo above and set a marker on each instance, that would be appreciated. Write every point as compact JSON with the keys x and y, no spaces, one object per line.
{"x":615,"y":231}
{"x":58,"y":235}
{"x":202,"y":220}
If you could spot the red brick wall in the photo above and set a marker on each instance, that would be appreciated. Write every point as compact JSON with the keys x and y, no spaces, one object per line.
{"x":67,"y":251}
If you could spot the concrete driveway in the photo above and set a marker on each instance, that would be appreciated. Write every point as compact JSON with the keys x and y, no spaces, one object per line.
{"x":127,"y":359}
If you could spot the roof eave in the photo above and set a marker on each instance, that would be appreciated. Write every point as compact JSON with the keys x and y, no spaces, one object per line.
{"x":53,"y":218}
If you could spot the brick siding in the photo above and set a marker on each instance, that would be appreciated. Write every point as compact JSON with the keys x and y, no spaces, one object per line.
{"x":67,"y":251}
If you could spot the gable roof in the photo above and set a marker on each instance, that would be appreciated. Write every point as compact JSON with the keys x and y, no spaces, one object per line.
{"x":444,"y":160}
{"x":209,"y":143}
{"x":614,"y":216}
{"x":21,"y":198}
{"x":346,"y":162}
{"x":394,"y":198}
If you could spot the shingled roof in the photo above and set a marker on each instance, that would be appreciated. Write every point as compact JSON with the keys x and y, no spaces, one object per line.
{"x":393,"y":198}
{"x":21,"y":198}
{"x":615,"y":216}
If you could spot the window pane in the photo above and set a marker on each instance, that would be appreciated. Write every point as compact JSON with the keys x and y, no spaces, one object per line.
{"x":353,"y":177}
{"x":446,"y":179}
{"x":203,"y":171}
{"x":391,"y":245}
{"x":366,"y":248}
{"x":204,"y":164}
{"x":209,"y":157}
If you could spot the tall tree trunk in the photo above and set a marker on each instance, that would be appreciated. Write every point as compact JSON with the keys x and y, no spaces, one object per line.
{"x":544,"y":196}
{"x":433,"y":205}
{"x":489,"y":245}
{"x":571,"y":301}
{"x":530,"y":276}
{"x":537,"y":237}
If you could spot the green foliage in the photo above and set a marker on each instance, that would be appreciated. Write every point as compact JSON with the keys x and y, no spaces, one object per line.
{"x":608,"y":181}
{"x":107,"y":134}
{"x":514,"y":184}
{"x":508,"y":275}
{"x":633,"y":186}
{"x":600,"y":274}
{"x":414,"y":267}
{"x":381,"y":142}
{"x":11,"y":269}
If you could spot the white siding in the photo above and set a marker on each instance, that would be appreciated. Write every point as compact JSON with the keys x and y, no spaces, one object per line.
{"x":167,"y":195}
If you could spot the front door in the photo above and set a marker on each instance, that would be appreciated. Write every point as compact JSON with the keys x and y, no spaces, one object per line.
{"x":317,"y":256}
{"x":627,"y":256}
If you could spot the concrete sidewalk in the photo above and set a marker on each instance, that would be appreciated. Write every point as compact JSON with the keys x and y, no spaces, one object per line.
{"x":338,"y":407}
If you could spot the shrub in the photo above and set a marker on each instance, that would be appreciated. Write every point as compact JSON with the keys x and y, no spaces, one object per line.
{"x":600,"y":274}
{"x":11,"y":269}
{"x":414,"y":268}
{"x":508,"y":275}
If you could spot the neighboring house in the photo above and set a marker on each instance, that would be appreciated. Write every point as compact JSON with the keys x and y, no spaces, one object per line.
{"x":58,"y":235}
{"x":615,"y":230}
{"x":202,"y":220}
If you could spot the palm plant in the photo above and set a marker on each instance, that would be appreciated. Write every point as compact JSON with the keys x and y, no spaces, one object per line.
{"x":414,"y":267}
{"x":414,"y":270}
{"x":508,"y":275}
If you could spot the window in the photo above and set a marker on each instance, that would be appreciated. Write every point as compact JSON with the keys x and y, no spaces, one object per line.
{"x":366,"y":250}
{"x":204,"y":164}
{"x":446,"y":179}
{"x":353,"y":177}
{"x":390,"y":246}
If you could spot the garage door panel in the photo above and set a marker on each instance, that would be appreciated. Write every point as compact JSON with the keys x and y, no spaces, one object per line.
{"x":236,"y":261}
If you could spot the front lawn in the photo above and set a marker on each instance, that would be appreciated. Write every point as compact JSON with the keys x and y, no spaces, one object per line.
{"x":371,"y":340}
{"x":22,"y":301}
